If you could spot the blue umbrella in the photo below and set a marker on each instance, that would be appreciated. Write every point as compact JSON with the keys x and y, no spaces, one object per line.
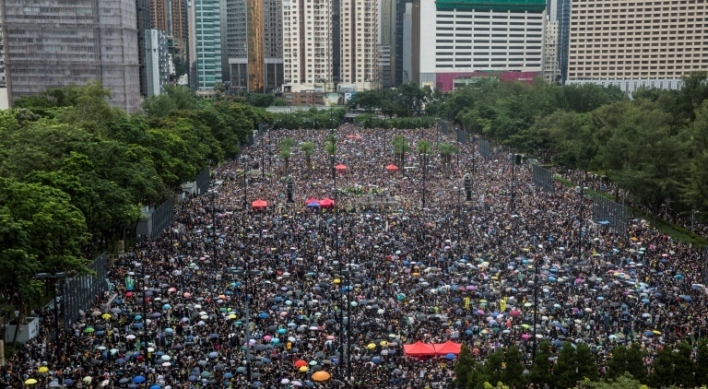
{"x":265,"y":360}
{"x":155,"y":314}
{"x":138,"y":318}
{"x":192,"y":378}
{"x":138,"y":325}
{"x":450,"y":356}
{"x":282,"y":331}
{"x":241,"y":369}
{"x":68,"y":382}
{"x":166,"y":306}
{"x":138,"y":379}
{"x":155,"y":386}
{"x":263,"y":315}
{"x":648,"y":333}
{"x":228,"y":376}
{"x":133,"y":386}
{"x":257,"y":384}
{"x":313,"y":204}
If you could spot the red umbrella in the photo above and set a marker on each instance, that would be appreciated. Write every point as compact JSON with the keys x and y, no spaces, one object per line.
{"x":259,"y":204}
{"x":326,"y":202}
{"x":340,"y":167}
{"x":311,"y":200}
{"x":392,"y":168}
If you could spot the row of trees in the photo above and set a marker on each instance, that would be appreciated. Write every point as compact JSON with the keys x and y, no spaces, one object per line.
{"x":75,"y":172}
{"x":312,"y":118}
{"x":654,"y":146}
{"x":575,"y":366}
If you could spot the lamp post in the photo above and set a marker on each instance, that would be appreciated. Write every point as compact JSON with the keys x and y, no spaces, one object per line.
{"x":580,"y":222}
{"x":247,"y":274}
{"x":512,"y":194}
{"x":537,"y":262}
{"x":474,"y":154}
{"x":425,"y":167}
{"x":262,"y":152}
{"x":213,"y":221}
{"x":56,"y":279}
{"x":244,"y":162}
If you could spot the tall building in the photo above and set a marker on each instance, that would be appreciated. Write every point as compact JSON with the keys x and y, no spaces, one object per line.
{"x":77,"y":42}
{"x":404,"y":72}
{"x":144,"y":24}
{"x":563,"y":17}
{"x":397,"y":56}
{"x":157,"y":61}
{"x":177,"y":32}
{"x":358,"y":42}
{"x":255,"y":44}
{"x":208,"y":44}
{"x":387,"y":41}
{"x":384,"y":66}
{"x":308,"y":45}
{"x":551,"y":71}
{"x":642,"y":43}
{"x":192,"y":43}
{"x":459,"y":41}
{"x":160,"y":17}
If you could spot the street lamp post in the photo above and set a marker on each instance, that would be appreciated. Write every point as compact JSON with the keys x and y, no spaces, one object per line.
{"x":537,"y":262}
{"x":213,"y":221}
{"x":244,"y":162}
{"x":474,"y":154}
{"x":425,"y":167}
{"x":56,"y":278}
{"x":580,"y":222}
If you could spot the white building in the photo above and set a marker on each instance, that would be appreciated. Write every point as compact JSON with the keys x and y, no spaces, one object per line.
{"x":359,"y":38}
{"x":157,"y":61}
{"x":307,"y":45}
{"x":642,"y":43}
{"x":459,"y":41}
{"x":551,"y":69}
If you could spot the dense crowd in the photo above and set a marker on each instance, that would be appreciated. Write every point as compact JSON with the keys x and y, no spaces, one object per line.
{"x":372,"y":273}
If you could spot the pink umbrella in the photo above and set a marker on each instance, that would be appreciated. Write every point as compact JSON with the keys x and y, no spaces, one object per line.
{"x":187,"y":294}
{"x":471,"y":287}
{"x":525,"y":336}
{"x":267,"y":338}
{"x":515,"y":313}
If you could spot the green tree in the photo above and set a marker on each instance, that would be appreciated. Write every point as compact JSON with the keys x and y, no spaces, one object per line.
{"x":463,"y":367}
{"x":513,"y":374}
{"x":540,"y":373}
{"x":625,"y":381}
{"x":702,"y":363}
{"x":400,"y":148}
{"x":493,"y":367}
{"x":285,"y":148}
{"x":663,"y":374}
{"x":565,"y":374}
{"x":586,"y":363}
{"x":308,"y":149}
{"x":683,"y":365}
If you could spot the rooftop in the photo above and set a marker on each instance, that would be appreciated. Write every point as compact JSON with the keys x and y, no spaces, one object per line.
{"x":492,"y":5}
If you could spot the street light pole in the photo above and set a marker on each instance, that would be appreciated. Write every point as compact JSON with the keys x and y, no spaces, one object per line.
{"x":537,"y":262}
{"x":56,"y":279}
{"x":244,"y":161}
{"x":425,"y":167}
{"x":580,"y":223}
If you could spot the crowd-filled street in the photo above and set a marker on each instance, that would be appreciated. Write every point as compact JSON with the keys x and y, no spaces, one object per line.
{"x":338,"y":287}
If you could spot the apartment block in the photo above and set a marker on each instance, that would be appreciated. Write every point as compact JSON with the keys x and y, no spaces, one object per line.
{"x":402,"y":42}
{"x":207,"y":44}
{"x":54,"y":43}
{"x":307,"y":45}
{"x":384,"y":66}
{"x":358,"y":42}
{"x":459,"y":41}
{"x":170,"y":16}
{"x":636,"y":43}
{"x":387,"y":39}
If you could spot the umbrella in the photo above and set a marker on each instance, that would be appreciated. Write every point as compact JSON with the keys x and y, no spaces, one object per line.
{"x":138,"y":379}
{"x":30,"y":381}
{"x":392,"y":168}
{"x":259,"y":204}
{"x":320,"y":376}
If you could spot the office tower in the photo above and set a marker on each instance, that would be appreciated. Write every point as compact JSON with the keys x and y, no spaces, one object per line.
{"x":159,"y":14}
{"x":384,"y":66}
{"x":255,"y":44}
{"x":144,"y":23}
{"x":177,"y":32}
{"x":358,"y":44}
{"x":397,"y":55}
{"x":551,"y":72}
{"x":307,"y":45}
{"x":157,"y":61}
{"x":641,"y":43}
{"x":403,"y":73}
{"x":469,"y":39}
{"x":81,"y":41}
{"x":387,"y":42}
{"x":208,"y":44}
{"x":336,"y":21}
{"x":563,"y":15}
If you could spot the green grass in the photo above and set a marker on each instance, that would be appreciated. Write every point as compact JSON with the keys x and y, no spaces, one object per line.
{"x":678,"y":233}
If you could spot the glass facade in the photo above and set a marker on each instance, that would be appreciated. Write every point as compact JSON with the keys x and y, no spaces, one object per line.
{"x":208,"y":31}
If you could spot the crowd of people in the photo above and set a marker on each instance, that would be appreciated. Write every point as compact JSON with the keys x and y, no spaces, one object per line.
{"x":335,"y":292}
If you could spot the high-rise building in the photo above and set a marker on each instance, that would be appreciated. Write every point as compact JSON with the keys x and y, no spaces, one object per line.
{"x":208,"y":44}
{"x":77,"y":42}
{"x":387,"y":40}
{"x":177,"y":32}
{"x":551,"y":71}
{"x":642,"y":43}
{"x":459,"y":41}
{"x":157,"y":61}
{"x":160,"y":17}
{"x":144,"y":23}
{"x":384,"y":66}
{"x":192,"y":43}
{"x":307,"y":45}
{"x":255,"y":44}
{"x":404,"y":72}
{"x":358,"y":42}
{"x":563,"y":17}
{"x":397,"y":56}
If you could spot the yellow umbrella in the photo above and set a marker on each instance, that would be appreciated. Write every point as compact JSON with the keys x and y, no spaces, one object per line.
{"x":320,"y":376}
{"x":43,"y":370}
{"x":371,"y":346}
{"x":336,"y":281}
{"x":106,"y":316}
{"x":303,"y":369}
{"x":657,"y":332}
{"x":232,"y":316}
{"x":383,"y":343}
{"x":30,"y":381}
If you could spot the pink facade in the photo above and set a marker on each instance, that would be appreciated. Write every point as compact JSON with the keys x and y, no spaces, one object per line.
{"x":446,"y":81}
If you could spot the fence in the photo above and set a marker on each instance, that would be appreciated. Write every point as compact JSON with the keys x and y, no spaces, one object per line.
{"x":203,"y":181}
{"x":79,"y":293}
{"x":157,"y":220}
{"x":444,"y":127}
{"x":484,"y":149}
{"x":461,"y":135}
{"x":609,"y":214}
{"x":544,"y":178}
